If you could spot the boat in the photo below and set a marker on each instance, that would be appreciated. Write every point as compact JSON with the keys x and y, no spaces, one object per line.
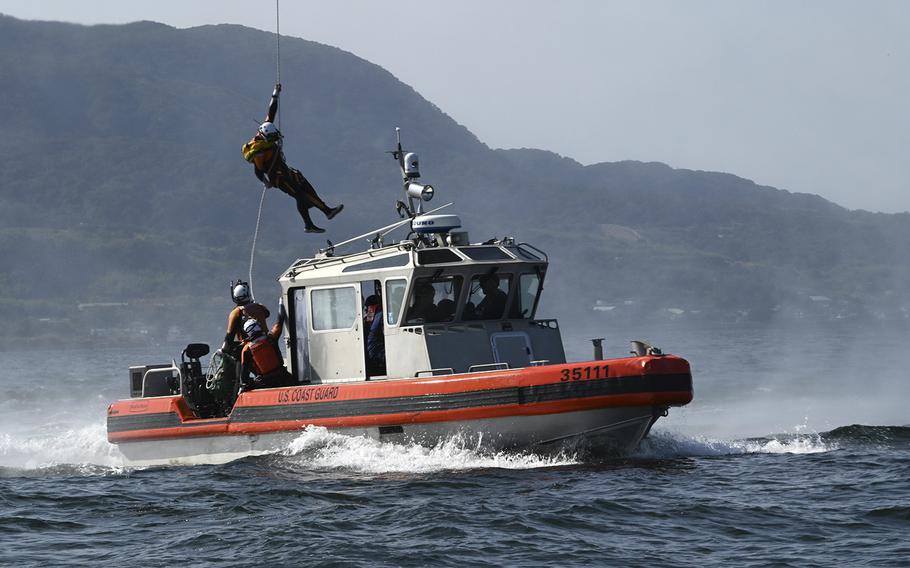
{"x":465,"y":355}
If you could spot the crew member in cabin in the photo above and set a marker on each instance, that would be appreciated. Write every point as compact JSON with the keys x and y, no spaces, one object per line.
{"x":424,"y":308}
{"x":246,"y":309}
{"x":265,"y":153}
{"x":375,"y":344}
{"x":493,"y":303}
{"x":445,"y":309}
{"x":494,"y":299}
{"x":260,"y":360}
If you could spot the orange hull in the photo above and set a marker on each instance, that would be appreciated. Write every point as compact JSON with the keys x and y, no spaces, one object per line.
{"x":633,"y":382}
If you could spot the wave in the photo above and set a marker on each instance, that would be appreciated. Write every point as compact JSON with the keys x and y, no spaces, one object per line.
{"x":663,"y":444}
{"x":84,"y":450}
{"x":319,"y":448}
{"x":877,"y":436}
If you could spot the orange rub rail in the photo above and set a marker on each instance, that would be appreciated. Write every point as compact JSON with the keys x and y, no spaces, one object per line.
{"x":633,"y":381}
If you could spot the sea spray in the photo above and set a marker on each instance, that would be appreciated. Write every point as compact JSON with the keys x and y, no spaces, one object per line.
{"x":77,"y":445}
{"x":319,"y":448}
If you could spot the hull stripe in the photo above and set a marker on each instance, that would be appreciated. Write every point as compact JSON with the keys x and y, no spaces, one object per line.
{"x":534,"y":394}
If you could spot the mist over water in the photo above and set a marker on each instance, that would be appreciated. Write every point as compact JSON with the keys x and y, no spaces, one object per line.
{"x":796,"y":436}
{"x":757,"y":380}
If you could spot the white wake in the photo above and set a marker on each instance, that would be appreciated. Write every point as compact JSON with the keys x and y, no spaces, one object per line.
{"x":319,"y":448}
{"x":76,"y":446}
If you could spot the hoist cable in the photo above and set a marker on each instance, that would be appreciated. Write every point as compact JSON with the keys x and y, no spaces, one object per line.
{"x":278,"y":120}
{"x":255,"y":238}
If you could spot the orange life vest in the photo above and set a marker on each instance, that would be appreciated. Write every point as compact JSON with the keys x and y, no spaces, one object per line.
{"x":265,"y":356}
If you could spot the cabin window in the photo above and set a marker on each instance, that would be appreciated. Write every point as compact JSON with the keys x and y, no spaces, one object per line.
{"x":385,"y":262}
{"x":485,"y":253}
{"x":334,"y":308}
{"x":394,"y":297}
{"x":437,"y":256}
{"x":434,"y":299}
{"x":489,"y":293}
{"x":526,"y":297}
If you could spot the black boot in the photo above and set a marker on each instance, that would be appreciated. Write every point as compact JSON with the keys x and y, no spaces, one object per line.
{"x":310,"y":226}
{"x":330,"y":214}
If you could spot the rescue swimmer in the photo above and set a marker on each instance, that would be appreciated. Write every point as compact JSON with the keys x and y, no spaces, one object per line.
{"x":265,"y":152}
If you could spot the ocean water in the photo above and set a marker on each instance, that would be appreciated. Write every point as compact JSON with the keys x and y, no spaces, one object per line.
{"x":795,"y":452}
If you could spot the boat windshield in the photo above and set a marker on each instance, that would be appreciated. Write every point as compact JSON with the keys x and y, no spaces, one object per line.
{"x":434,"y":299}
{"x":524,"y":303}
{"x":489,"y":293}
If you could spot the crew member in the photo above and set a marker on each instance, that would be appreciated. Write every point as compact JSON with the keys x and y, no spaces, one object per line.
{"x":375,"y":344}
{"x":264,"y":151}
{"x":423,"y":309}
{"x":446,"y":309}
{"x":246,"y":309}
{"x":494,"y":299}
{"x":260,"y":360}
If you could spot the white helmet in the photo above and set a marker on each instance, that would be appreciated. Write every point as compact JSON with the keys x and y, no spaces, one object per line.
{"x":269,"y":131}
{"x":241,"y":294}
{"x":251,"y":328}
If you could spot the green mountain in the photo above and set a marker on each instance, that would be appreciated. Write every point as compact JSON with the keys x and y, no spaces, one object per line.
{"x":122,"y":183}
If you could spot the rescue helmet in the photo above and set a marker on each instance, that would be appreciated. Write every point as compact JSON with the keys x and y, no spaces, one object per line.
{"x":269,"y":131}
{"x":251,"y":328}
{"x":241,"y":293}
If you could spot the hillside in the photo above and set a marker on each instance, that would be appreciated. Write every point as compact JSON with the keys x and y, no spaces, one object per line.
{"x":123,"y":184}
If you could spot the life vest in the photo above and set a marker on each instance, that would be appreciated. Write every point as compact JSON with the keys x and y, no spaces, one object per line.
{"x":255,"y":147}
{"x":265,"y":356}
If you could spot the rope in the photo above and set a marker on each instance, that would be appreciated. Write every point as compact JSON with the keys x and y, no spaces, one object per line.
{"x":255,"y":238}
{"x":278,"y":119}
{"x":277,"y":43}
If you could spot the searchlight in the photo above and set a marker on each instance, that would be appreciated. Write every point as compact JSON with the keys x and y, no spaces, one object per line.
{"x":424,"y":192}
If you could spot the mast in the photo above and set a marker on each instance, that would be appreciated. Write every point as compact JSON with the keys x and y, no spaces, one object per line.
{"x":416,"y":193}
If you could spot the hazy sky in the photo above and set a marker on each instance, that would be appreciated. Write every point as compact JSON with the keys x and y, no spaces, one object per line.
{"x":806,"y":96}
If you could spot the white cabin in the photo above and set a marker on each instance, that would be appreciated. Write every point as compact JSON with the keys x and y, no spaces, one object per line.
{"x":445,"y":309}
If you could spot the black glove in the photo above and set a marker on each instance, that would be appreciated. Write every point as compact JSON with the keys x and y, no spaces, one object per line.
{"x":277,"y":90}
